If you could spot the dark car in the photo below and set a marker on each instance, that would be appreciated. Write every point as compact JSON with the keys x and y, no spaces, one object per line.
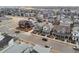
{"x":44,"y":39}
{"x":56,"y":38}
{"x":17,"y":31}
{"x":0,"y":21}
{"x":46,"y":46}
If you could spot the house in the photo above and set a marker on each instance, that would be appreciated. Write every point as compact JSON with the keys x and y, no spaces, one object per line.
{"x":18,"y":48}
{"x":33,"y":20}
{"x":27,"y":48}
{"x":76,"y":22}
{"x":29,"y":14}
{"x":40,"y":17}
{"x":54,"y":20}
{"x":38,"y":26}
{"x":25,"y":24}
{"x":61,"y":31}
{"x":66,"y":21}
{"x":50,"y":19}
{"x":75,"y":32}
{"x":6,"y":40}
{"x":75,"y":35}
{"x":47,"y":29}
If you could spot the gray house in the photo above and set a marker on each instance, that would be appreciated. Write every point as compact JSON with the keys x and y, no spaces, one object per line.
{"x":5,"y":40}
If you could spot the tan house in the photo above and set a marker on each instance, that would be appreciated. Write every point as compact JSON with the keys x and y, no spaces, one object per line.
{"x":61,"y":31}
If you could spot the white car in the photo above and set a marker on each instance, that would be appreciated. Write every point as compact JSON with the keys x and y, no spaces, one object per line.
{"x":76,"y":48}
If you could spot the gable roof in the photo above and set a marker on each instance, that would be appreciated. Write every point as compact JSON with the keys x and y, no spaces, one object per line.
{"x":61,"y":28}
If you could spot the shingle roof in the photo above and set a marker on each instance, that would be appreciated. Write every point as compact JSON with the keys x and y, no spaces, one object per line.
{"x":61,"y":28}
{"x":5,"y":40}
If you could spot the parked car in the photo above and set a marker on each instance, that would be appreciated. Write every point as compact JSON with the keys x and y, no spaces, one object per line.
{"x":17,"y":31}
{"x":46,"y":46}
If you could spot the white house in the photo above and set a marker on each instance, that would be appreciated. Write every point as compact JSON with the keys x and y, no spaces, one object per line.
{"x":75,"y":35}
{"x":47,"y":28}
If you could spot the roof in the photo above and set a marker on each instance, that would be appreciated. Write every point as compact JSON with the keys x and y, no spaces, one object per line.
{"x":17,"y":48}
{"x":22,"y":21}
{"x":41,"y":49}
{"x":47,"y":27}
{"x":26,"y":22}
{"x":60,"y":28}
{"x":75,"y":31}
{"x":1,"y":37}
{"x":5,"y":40}
{"x":33,"y":51}
{"x":66,"y":21}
